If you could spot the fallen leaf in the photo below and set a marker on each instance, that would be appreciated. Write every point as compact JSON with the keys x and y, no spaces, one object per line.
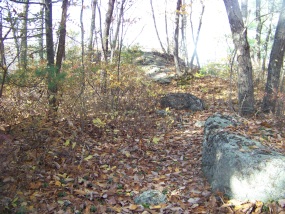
{"x":133,"y":206}
{"x":88,"y":157}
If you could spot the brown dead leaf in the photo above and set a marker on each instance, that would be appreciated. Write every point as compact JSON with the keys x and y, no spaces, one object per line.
{"x":112,"y":200}
{"x":133,"y":206}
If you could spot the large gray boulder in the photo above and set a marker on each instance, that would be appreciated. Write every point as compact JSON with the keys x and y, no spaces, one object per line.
{"x":241,"y":168}
{"x":181,"y":101}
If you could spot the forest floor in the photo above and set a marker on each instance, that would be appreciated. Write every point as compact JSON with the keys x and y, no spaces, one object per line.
{"x":101,"y":171}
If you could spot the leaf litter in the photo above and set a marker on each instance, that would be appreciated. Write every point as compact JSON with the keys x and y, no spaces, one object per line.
{"x":60,"y":169}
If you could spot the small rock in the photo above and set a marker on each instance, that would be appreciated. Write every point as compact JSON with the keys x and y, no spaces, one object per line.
{"x":151,"y":197}
{"x":199,"y":124}
{"x":194,"y":200}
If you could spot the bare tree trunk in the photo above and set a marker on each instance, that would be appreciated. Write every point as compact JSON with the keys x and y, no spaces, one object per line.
{"x":82,"y":90}
{"x":116,"y":36}
{"x":258,"y":33}
{"x":268,"y":35}
{"x":105,"y":43}
{"x":280,"y":103}
{"x":108,"y":19}
{"x":54,"y":70}
{"x":41,"y":40}
{"x":62,"y":36}
{"x":24,"y":35}
{"x":166,"y":28}
{"x":92,"y":28}
{"x":49,"y":33}
{"x":176,"y":36}
{"x":155,"y":26}
{"x":195,"y":54}
{"x":2,"y":56}
{"x":239,"y":34}
{"x":183,"y":36}
{"x":275,"y":65}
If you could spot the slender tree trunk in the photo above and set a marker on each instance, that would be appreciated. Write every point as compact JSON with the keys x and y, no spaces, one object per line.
{"x":52,"y":86}
{"x":105,"y":44}
{"x":24,"y":35}
{"x":258,"y":33}
{"x":106,"y":33}
{"x":275,"y":65}
{"x":166,"y":28}
{"x":2,"y":56}
{"x":82,"y":90}
{"x":92,"y":28}
{"x":183,"y":36}
{"x":116,"y":36}
{"x":176,"y":36}
{"x":268,"y":35}
{"x":239,"y":34}
{"x":62,"y":36}
{"x":155,"y":26}
{"x":49,"y":33}
{"x":41,"y":38}
{"x":195,"y":54}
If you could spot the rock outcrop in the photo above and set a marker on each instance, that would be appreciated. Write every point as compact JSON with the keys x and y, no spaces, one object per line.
{"x":158,"y":66}
{"x":243,"y":169}
{"x":181,"y":101}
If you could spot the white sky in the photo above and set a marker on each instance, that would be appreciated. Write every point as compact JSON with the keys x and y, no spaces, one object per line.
{"x":212,"y":44}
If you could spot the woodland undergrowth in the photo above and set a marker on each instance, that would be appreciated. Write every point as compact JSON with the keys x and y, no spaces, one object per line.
{"x":105,"y":148}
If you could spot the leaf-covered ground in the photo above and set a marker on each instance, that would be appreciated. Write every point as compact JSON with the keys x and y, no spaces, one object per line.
{"x":54,"y":167}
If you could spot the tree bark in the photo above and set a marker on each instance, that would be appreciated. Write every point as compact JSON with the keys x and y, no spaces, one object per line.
{"x":24,"y":35}
{"x":82,"y":90}
{"x":62,"y":36}
{"x":52,"y":87}
{"x":116,"y":36}
{"x":166,"y":28}
{"x":2,"y":55}
{"x":258,"y":33}
{"x":108,"y":19}
{"x":155,"y":26}
{"x":239,"y":34}
{"x":275,"y":65}
{"x":54,"y":69}
{"x":92,"y":28}
{"x":105,"y":44}
{"x":49,"y":33}
{"x":176,"y":36}
{"x":183,"y":35}
{"x":41,"y":40}
{"x":195,"y":54}
{"x":268,"y":35}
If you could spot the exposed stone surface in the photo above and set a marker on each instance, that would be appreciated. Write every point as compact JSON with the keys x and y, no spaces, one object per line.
{"x":182,"y":101}
{"x":151,"y":197}
{"x":241,"y":168}
{"x":158,"y":66}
